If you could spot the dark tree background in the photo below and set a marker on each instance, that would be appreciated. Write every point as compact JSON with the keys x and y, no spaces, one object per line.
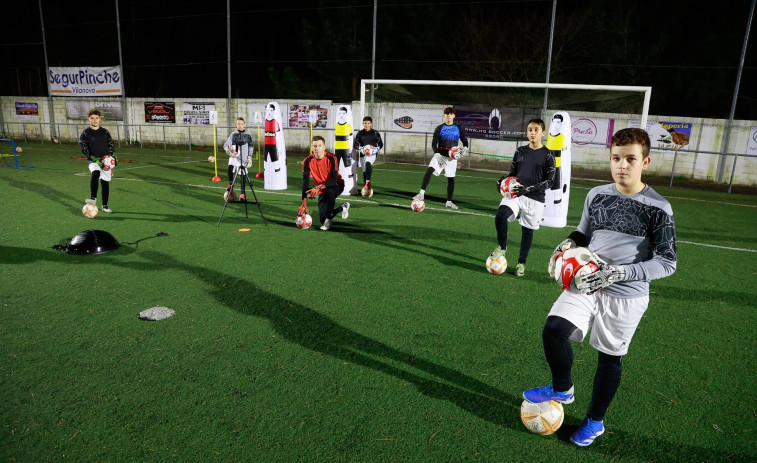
{"x":688,"y":51}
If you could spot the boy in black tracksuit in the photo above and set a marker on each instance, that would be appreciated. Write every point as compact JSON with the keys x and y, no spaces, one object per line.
{"x":95,"y":143}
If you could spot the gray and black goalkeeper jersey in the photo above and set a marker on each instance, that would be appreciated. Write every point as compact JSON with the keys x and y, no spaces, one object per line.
{"x":635,"y":231}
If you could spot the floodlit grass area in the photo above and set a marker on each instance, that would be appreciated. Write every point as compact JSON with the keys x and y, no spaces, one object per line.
{"x":384,"y":339}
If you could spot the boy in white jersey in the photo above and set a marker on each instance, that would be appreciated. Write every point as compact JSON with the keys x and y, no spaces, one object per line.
{"x":630,"y":229}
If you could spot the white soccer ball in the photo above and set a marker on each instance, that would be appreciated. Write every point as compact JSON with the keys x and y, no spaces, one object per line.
{"x":507,"y":185}
{"x":571,"y":263}
{"x":90,"y":211}
{"x":496,"y":266}
{"x":544,"y":418}
{"x":418,"y":205}
{"x":366,"y":192}
{"x":304,"y":221}
{"x":211,"y":158}
{"x":108,"y":162}
{"x":368,"y":150}
{"x":229,"y":196}
{"x":19,"y":149}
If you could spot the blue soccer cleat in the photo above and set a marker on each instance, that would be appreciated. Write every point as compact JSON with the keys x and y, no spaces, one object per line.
{"x":587,"y":432}
{"x":538,"y":395}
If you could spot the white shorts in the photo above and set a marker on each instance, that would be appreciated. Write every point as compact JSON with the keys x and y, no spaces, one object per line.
{"x":531,"y":211}
{"x":612,"y":320}
{"x":105,"y":175}
{"x":363,"y":160}
{"x":442,"y":163}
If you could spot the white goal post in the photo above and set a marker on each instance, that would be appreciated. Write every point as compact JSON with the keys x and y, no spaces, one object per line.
{"x":620,"y":88}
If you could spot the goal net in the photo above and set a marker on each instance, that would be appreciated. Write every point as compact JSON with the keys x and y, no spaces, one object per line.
{"x":12,"y":155}
{"x":495,"y":116}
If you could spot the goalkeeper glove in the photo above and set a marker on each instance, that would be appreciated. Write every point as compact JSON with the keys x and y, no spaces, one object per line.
{"x":99,"y":162}
{"x":303,"y":207}
{"x":464,"y":152}
{"x":313,"y":192}
{"x":499,"y":183}
{"x":115,"y":159}
{"x":564,"y":246}
{"x":602,"y":278}
{"x":248,"y":164}
{"x":520,"y":190}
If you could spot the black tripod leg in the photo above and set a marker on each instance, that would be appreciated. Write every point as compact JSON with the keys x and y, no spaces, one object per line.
{"x":257,"y":202}
{"x":226,"y":201}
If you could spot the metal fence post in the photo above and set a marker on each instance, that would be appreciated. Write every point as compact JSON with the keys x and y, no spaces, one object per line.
{"x":673,"y":171}
{"x":164,"y":138}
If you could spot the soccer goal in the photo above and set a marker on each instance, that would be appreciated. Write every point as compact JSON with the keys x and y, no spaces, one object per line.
{"x":13,"y":155}
{"x":495,"y":115}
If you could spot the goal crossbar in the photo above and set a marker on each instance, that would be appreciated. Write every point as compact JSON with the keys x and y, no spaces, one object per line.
{"x":619,"y":88}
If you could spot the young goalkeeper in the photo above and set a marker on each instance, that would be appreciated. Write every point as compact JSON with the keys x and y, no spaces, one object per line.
{"x":534,"y":168}
{"x":95,"y":143}
{"x":368,"y":137}
{"x":323,"y":167}
{"x":239,"y":148}
{"x":630,"y":230}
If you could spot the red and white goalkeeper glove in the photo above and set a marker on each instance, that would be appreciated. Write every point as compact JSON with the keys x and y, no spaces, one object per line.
{"x":313,"y":192}
{"x":303,"y":207}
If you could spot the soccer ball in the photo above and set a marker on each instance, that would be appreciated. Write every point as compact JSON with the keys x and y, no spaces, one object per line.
{"x":368,"y":150}
{"x":108,"y":162}
{"x":418,"y":205}
{"x":19,"y":149}
{"x":229,"y":196}
{"x":506,"y":185}
{"x":211,"y":158}
{"x":304,"y":221}
{"x":90,"y":211}
{"x":571,"y":263}
{"x":544,"y":418}
{"x":496,"y":266}
{"x":366,"y":192}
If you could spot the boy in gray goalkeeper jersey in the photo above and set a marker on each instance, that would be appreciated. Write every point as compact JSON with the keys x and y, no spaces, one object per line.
{"x":630,"y":230}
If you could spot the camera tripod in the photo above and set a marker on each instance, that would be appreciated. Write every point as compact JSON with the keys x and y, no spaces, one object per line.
{"x":242,"y":172}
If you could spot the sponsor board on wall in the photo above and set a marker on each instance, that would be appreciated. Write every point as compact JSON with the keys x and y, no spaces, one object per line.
{"x":85,"y":81}
{"x":160,"y":112}
{"x":751,"y":147}
{"x":490,"y":123}
{"x":111,"y":110}
{"x":197,"y":113}
{"x":592,"y":130}
{"x":299,"y":115}
{"x":416,"y":120}
{"x":667,"y":135}
{"x":26,"y":111}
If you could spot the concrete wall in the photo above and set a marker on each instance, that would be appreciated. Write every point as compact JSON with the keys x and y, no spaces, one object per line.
{"x":700,"y":160}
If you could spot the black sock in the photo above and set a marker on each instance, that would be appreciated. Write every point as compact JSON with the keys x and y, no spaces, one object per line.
{"x":500,"y":222}
{"x":525,"y":244}
{"x":606,"y":383}
{"x":559,"y":352}
{"x":450,"y":187}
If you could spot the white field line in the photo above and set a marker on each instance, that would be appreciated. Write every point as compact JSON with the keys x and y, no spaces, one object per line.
{"x":375,"y":203}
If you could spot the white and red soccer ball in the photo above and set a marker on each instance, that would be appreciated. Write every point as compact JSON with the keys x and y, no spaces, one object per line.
{"x":418,"y":205}
{"x":304,"y":221}
{"x":507,"y":186}
{"x":367,"y":191}
{"x":455,"y":153}
{"x":229,"y":196}
{"x":19,"y":149}
{"x":571,"y":263}
{"x":369,"y":150}
{"x":108,"y":162}
{"x":90,"y":211}
{"x":211,"y":158}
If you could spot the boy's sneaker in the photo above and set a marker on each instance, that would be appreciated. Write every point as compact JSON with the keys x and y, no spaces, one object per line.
{"x":418,"y":196}
{"x":520,"y":270}
{"x":107,"y":209}
{"x":92,"y":201}
{"x":242,"y":198}
{"x":451,"y":205}
{"x":587,"y":432}
{"x":538,"y":395}
{"x":498,"y":252}
{"x":326,"y":224}
{"x":345,"y":210}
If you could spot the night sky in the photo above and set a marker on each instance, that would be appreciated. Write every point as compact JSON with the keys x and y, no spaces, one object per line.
{"x":688,"y":51}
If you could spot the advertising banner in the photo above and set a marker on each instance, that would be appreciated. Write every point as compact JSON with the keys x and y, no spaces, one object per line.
{"x":160,"y":112}
{"x":299,"y":115}
{"x":671,"y":135}
{"x":592,"y":130}
{"x":197,"y":113}
{"x":85,"y":81}
{"x":490,"y":123}
{"x":111,"y":110}
{"x":27,"y":111}
{"x":751,"y":147}
{"x":417,"y":120}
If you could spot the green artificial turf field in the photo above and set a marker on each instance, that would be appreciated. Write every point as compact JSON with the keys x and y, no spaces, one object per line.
{"x":384,"y":339}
